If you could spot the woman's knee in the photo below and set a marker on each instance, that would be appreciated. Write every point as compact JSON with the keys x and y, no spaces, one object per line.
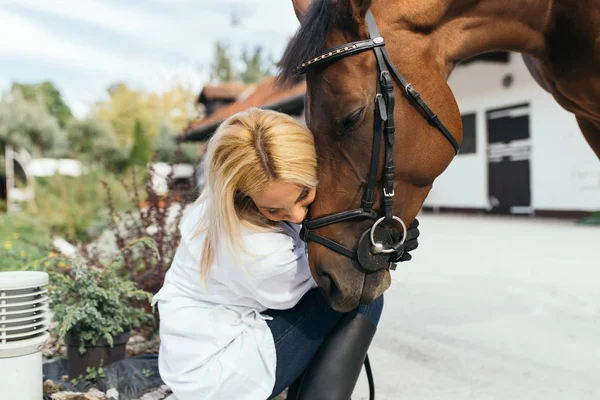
{"x":372,"y":310}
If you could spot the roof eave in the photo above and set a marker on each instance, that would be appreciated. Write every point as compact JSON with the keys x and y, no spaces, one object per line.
{"x":204,"y":132}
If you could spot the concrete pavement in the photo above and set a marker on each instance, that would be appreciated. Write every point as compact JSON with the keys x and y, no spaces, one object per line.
{"x":492,"y":308}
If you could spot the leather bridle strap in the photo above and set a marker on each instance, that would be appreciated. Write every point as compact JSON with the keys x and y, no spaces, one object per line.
{"x":339,"y":217}
{"x":330,"y":244}
{"x":385,"y":89}
{"x":335,"y":53}
{"x":307,"y":234}
{"x":408,"y":88}
{"x":380,"y":116}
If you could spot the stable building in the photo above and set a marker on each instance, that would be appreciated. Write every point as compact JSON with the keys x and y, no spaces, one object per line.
{"x":521,"y":153}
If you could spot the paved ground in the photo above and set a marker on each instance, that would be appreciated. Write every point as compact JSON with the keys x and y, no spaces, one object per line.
{"x":492,"y":308}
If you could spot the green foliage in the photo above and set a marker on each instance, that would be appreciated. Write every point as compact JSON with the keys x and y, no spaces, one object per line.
{"x":93,"y":139}
{"x":156,"y":216}
{"x":94,"y":303}
{"x":92,"y":376}
{"x":27,"y":124}
{"x":251,"y":67}
{"x":141,"y":151}
{"x":48,"y":95}
{"x":190,"y":153}
{"x":592,"y":219}
{"x":165,"y":145}
{"x":222,"y":69}
{"x":256,"y":65}
{"x":125,"y":106}
{"x":22,"y":240}
{"x":169,"y":151}
{"x":71,"y":206}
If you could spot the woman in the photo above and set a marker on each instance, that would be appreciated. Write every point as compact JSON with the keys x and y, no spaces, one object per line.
{"x":241,"y":317}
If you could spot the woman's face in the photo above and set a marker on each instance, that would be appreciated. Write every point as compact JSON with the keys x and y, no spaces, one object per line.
{"x":282,"y":201}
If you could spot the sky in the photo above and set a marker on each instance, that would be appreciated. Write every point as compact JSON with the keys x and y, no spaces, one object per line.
{"x":83,"y":46}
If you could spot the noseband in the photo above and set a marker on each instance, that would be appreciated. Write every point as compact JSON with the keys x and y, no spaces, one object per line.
{"x":381,"y":246}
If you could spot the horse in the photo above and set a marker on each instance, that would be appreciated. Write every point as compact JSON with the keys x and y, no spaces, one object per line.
{"x":424,"y":40}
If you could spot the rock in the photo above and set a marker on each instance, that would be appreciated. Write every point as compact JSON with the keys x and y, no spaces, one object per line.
{"x":92,"y":394}
{"x":98,"y":394}
{"x":136,"y":339}
{"x":112,"y":394}
{"x":51,"y":387}
{"x":53,"y":347}
{"x":131,"y":377}
{"x":68,"y":396}
{"x":158,"y":394}
{"x":139,"y":344}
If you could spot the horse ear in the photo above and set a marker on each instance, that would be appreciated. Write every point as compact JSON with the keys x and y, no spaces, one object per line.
{"x":360,"y":8}
{"x":351,"y":14}
{"x":300,"y":8}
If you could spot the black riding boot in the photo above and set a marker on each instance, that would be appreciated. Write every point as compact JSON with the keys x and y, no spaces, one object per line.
{"x":333,"y":372}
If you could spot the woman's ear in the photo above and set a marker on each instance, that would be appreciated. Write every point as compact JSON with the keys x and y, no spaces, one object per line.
{"x":300,"y":7}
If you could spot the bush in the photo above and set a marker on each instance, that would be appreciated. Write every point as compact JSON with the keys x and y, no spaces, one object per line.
{"x":23,"y":239}
{"x":165,"y":145}
{"x":71,"y":206}
{"x":90,"y":139}
{"x":28,"y":124}
{"x":156,"y":216}
{"x":94,"y":302}
{"x":141,"y":150}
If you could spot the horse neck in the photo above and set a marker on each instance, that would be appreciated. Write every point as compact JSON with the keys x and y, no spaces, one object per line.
{"x":460,"y":29}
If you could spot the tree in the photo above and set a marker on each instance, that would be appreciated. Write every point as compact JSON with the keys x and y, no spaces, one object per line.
{"x":141,"y":150}
{"x":174,"y":106}
{"x":122,"y":110}
{"x":46,"y":93}
{"x":28,"y":124}
{"x":165,"y":145}
{"x":256,"y":66}
{"x":125,"y":106}
{"x":167,"y":150}
{"x":90,"y":138}
{"x":222,"y":69}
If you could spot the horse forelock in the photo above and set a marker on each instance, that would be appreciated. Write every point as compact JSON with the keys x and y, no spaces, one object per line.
{"x":308,"y":40}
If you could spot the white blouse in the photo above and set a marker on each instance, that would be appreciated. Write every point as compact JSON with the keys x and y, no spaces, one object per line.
{"x":215,"y":343}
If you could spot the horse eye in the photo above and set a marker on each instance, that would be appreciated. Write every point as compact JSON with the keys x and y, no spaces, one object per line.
{"x":351,"y":120}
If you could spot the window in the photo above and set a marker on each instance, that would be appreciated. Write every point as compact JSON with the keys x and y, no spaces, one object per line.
{"x":469,"y":142}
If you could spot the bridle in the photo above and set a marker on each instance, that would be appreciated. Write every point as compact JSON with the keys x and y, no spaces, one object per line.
{"x":379,"y":247}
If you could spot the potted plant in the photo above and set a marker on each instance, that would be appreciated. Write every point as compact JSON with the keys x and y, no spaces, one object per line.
{"x":95,"y":308}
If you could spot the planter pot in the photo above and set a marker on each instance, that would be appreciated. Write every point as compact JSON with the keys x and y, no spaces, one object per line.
{"x":95,"y":356}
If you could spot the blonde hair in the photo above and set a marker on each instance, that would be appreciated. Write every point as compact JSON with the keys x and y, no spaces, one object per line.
{"x":249,"y":150}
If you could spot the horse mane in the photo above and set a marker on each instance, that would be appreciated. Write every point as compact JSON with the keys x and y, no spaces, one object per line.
{"x":308,"y":40}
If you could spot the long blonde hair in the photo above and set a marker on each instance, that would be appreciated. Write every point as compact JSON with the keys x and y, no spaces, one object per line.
{"x":248,"y":150}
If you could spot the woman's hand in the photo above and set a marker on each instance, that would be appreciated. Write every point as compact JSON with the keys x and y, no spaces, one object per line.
{"x":411,"y":241}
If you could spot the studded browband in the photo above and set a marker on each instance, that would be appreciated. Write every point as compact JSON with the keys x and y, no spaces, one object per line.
{"x":338,"y":52}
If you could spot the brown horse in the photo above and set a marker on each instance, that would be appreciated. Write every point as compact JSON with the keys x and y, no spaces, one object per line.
{"x":426,"y":39}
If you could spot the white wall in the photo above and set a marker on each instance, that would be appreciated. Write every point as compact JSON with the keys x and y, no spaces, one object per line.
{"x":565,"y":173}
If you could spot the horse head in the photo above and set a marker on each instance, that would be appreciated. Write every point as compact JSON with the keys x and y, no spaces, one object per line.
{"x":342,"y":113}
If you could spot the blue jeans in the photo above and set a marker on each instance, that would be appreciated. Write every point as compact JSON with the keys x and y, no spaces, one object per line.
{"x":299,"y":331}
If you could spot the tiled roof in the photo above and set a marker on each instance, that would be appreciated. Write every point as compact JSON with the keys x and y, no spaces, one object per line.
{"x":265,"y":94}
{"x":223,"y":91}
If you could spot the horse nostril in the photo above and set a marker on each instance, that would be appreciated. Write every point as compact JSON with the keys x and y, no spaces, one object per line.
{"x":325,"y":282}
